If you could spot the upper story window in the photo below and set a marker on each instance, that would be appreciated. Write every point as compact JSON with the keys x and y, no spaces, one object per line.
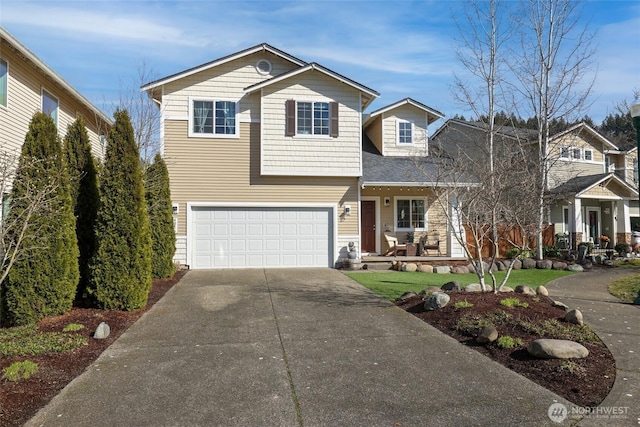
{"x":311,"y":118}
{"x":588,"y":155}
{"x":410,"y":214}
{"x":576,"y":153}
{"x":50,"y":106}
{"x":405,"y":135}
{"x":213,"y":118}
{"x":4,"y":84}
{"x":564,"y":152}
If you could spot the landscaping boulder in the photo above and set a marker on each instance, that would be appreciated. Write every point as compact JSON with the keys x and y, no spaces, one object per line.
{"x":557,"y":349}
{"x":528,"y":263}
{"x":561,"y":305}
{"x":424,"y":268}
{"x":406,"y":296}
{"x":541,"y":290}
{"x":442,"y":269}
{"x":526,"y":290}
{"x":544,"y":264}
{"x":574,"y":316}
{"x":430,"y":290}
{"x":454,"y":285}
{"x":559,"y":265}
{"x":575,"y":267}
{"x":102,"y":331}
{"x":517,"y":264}
{"x":460,"y":269}
{"x":473,"y":287}
{"x":506,"y":289}
{"x":410,"y":267}
{"x":501,"y":266}
{"x":436,"y":300}
{"x":487,"y":334}
{"x":506,"y":263}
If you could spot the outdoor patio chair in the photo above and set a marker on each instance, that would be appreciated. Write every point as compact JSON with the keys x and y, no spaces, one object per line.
{"x":430,"y":242}
{"x":394,"y":247}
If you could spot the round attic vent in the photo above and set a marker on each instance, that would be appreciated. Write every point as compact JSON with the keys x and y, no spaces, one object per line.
{"x":263,"y":66}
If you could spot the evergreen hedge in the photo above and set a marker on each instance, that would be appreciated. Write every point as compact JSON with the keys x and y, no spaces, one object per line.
{"x":163,"y":237}
{"x":121,"y":267}
{"x":43,"y":280}
{"x":85,"y":196}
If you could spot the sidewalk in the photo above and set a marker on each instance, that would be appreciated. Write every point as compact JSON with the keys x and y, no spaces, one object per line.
{"x":618,"y":325}
{"x":306,"y":347}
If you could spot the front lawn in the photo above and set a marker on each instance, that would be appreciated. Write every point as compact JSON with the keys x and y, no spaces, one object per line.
{"x":626,"y":289}
{"x":392,"y":284}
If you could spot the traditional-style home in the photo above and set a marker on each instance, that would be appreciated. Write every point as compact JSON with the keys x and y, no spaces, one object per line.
{"x":27,"y":86}
{"x":266,"y":162}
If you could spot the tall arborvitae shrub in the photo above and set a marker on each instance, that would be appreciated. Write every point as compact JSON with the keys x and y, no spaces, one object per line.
{"x":43,"y":280}
{"x":85,"y":196}
{"x":163,"y":237}
{"x":121,"y":267}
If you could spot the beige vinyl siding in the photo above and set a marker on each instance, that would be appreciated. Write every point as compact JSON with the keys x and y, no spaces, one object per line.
{"x":25,"y":84}
{"x":374,"y":132}
{"x":577,"y":141}
{"x":225,"y":81}
{"x":612,"y":190}
{"x":311,"y":155}
{"x":561,"y":170}
{"x":631,"y":161}
{"x":419,"y":131}
{"x":228,"y":171}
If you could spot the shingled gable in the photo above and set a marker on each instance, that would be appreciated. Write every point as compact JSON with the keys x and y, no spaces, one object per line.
{"x":216,"y":62}
{"x":581,"y":184}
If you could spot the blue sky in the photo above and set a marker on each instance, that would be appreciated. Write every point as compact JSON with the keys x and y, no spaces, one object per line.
{"x":398,"y":48}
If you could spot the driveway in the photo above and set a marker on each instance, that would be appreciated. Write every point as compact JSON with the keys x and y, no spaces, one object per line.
{"x":301,"y":347}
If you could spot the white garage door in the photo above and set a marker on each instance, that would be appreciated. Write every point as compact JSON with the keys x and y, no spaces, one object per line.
{"x":261,"y":237}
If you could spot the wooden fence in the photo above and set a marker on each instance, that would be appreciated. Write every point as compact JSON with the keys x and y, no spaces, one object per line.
{"x":507,"y":234}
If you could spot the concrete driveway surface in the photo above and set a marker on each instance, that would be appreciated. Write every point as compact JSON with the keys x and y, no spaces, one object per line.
{"x":296,"y":347}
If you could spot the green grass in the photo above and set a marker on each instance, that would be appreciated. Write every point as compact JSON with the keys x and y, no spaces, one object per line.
{"x":20,"y":370}
{"x":626,"y":289}
{"x":29,"y":341}
{"x":392,"y":284}
{"x":628,"y":263}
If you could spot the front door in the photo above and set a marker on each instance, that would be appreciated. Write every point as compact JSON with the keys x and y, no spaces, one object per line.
{"x":593,"y":224}
{"x":368,"y":223}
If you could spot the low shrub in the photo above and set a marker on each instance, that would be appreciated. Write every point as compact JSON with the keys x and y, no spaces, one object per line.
{"x":20,"y":370}
{"x":463,"y":304}
{"x":622,"y":248}
{"x":506,"y":342}
{"x":551,"y":252}
{"x":513,"y":302}
{"x":73,"y":327}
{"x":29,"y":341}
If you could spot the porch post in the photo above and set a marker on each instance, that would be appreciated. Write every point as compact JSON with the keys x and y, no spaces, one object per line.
{"x":577,"y":228}
{"x":624,"y":222}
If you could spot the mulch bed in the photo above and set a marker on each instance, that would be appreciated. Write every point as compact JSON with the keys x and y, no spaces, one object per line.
{"x":20,"y":400}
{"x":585,"y":382}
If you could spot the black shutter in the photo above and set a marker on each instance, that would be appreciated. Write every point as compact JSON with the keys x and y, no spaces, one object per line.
{"x":290,"y":107}
{"x":333,"y":108}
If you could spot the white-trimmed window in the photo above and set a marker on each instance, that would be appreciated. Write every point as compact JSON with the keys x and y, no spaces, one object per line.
{"x":588,"y":155}
{"x":410,"y":214}
{"x":576,"y":154}
{"x":213,"y":118}
{"x":564,"y":152}
{"x":4,"y":82}
{"x":317,"y":118}
{"x":404,"y":132}
{"x":50,"y":106}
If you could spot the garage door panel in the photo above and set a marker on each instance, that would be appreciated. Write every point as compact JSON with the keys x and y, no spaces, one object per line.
{"x":261,"y":237}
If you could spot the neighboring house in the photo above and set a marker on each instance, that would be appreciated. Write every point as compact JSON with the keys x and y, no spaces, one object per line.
{"x":28,"y":85}
{"x":593,"y":182}
{"x":264,"y":156}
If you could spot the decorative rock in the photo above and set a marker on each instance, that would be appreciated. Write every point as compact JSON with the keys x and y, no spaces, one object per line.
{"x":424,"y":268}
{"x":436,"y":300}
{"x":517,"y":264}
{"x":460,"y":269}
{"x":544,"y":264}
{"x":557,"y":349}
{"x":541,"y":290}
{"x":506,"y":289}
{"x":471,"y":268}
{"x":506,"y":263}
{"x":411,"y":267}
{"x":587,"y":265}
{"x":575,"y":267}
{"x":430,"y":290}
{"x":501,"y":266}
{"x":442,"y":269}
{"x":559,"y":265}
{"x":473,"y":287}
{"x":528,"y":263}
{"x":454,"y":285}
{"x":526,"y":290}
{"x":406,"y":296}
{"x":599,"y":259}
{"x":102,"y":331}
{"x":494,"y":267}
{"x":561,"y":305}
{"x":608,"y":263}
{"x":574,"y":316}
{"x":487,"y":334}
